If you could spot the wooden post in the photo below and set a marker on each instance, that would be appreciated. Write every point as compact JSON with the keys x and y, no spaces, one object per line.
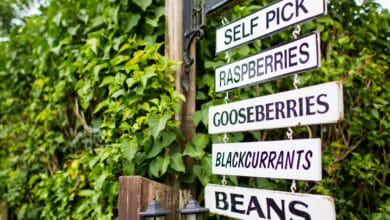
{"x":135,"y":193}
{"x":174,"y":50}
{"x":3,"y":211}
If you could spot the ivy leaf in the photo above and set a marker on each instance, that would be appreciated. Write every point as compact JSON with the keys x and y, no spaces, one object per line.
{"x":132,"y":21}
{"x":157,"y":124}
{"x":143,"y":4}
{"x":118,"y":60}
{"x":93,"y":44}
{"x":152,"y":22}
{"x":200,"y":141}
{"x":129,"y":148}
{"x":167,"y":138}
{"x":159,"y":166}
{"x":156,"y":149}
{"x":191,"y":151}
{"x":149,"y":73}
{"x":177,"y":162}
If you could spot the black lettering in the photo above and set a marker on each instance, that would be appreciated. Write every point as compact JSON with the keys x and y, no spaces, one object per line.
{"x":264,"y":156}
{"x":279,"y":211}
{"x":220,"y":201}
{"x":233,"y":117}
{"x":241,"y":161}
{"x":268,"y":63}
{"x":241,"y":115}
{"x":285,"y":58}
{"x":268,"y":111}
{"x":300,"y":100}
{"x":309,"y":103}
{"x":229,"y":160}
{"x":303,"y":52}
{"x":278,"y":59}
{"x":249,"y":113}
{"x":216,"y":123}
{"x":297,"y":212}
{"x":307,"y":155}
{"x":251,"y":68}
{"x":244,"y":34}
{"x":235,"y":157}
{"x":228,"y":36}
{"x":244,"y":70}
{"x":236,"y":32}
{"x":237,"y":74}
{"x":234,"y":201}
{"x":283,"y":12}
{"x":272,"y":156}
{"x":229,"y":76}
{"x":247,"y":160}
{"x":224,"y":118}
{"x":260,"y":66}
{"x":291,"y":56}
{"x":253,"y":23}
{"x":289,"y":160}
{"x":223,"y":160}
{"x":299,"y":158}
{"x":255,"y":159}
{"x":270,"y":16}
{"x":323,"y":103}
{"x":291,"y":104}
{"x":259,"y":112}
{"x":299,"y":5}
{"x":218,"y":159}
{"x":280,"y":160}
{"x":254,"y":205}
{"x":222,"y":76}
{"x":279,"y":110}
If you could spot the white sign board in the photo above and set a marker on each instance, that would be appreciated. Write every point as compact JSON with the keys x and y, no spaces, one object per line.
{"x":298,"y":159}
{"x":267,"y":20}
{"x":295,"y":56}
{"x":248,"y":203}
{"x":317,"y":104}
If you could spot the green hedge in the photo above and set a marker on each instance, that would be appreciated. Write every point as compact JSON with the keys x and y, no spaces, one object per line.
{"x":87,"y":95}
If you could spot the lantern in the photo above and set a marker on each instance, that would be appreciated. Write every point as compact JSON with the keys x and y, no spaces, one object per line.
{"x":192,"y":210}
{"x":154,"y":211}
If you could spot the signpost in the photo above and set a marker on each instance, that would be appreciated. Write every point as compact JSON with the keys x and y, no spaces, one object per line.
{"x":311,"y":105}
{"x":295,"y":56}
{"x":298,"y":159}
{"x":247,"y":203}
{"x":267,"y":20}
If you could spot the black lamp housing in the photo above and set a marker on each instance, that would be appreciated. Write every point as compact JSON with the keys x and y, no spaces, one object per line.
{"x":192,"y":207}
{"x":154,"y":210}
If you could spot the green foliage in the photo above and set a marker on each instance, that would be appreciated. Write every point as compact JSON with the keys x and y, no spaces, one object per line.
{"x":87,"y":96}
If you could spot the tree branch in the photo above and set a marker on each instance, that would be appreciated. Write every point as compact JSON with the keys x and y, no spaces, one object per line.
{"x":81,"y":118}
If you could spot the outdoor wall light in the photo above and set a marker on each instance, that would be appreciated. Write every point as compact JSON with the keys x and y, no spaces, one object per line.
{"x":154,"y":211}
{"x":192,"y":210}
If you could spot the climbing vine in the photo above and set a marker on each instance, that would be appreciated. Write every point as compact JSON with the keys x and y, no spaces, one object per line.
{"x":87,"y":95}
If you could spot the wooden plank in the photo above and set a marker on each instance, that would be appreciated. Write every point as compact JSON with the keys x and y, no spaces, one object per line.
{"x":249,"y":203}
{"x":298,"y":159}
{"x":318,"y":104}
{"x":291,"y":57}
{"x":135,"y":193}
{"x":267,"y":20}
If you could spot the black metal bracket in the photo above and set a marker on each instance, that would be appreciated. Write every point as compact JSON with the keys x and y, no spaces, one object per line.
{"x":194,"y":20}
